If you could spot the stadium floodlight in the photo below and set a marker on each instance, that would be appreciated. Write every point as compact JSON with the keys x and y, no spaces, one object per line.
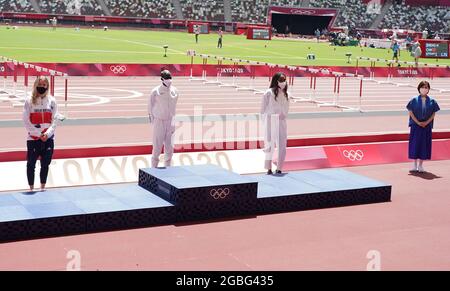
{"x":165,"y":50}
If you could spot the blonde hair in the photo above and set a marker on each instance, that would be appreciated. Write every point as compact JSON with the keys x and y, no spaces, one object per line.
{"x":35,"y":94}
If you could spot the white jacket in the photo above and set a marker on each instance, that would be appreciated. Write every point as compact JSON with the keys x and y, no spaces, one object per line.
{"x":279,"y":106}
{"x":162,"y":102}
{"x":40,"y":118}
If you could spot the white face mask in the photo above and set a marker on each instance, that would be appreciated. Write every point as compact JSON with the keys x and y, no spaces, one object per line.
{"x":282,"y":85}
{"x":167,"y":82}
{"x":424,"y":91}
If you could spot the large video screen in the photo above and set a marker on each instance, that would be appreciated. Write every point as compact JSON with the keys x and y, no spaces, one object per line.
{"x":436,"y":49}
{"x":259,"y":33}
{"x":203,"y":27}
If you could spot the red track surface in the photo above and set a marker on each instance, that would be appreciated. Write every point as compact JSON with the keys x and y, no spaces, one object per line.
{"x":412,"y":232}
{"x":214,"y":100}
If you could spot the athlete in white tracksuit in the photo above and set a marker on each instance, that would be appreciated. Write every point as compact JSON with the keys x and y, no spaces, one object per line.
{"x":39,"y":118}
{"x":161,"y":109}
{"x":274,"y":111}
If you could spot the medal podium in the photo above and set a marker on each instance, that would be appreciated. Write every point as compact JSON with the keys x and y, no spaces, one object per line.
{"x":177,"y":195}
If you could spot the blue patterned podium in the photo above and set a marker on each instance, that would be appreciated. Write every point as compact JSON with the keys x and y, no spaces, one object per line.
{"x":316,"y":189}
{"x":202,"y":192}
{"x":179,"y":194}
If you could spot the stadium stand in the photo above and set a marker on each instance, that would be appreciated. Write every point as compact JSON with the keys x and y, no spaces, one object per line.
{"x":145,"y":9}
{"x":250,"y":11}
{"x":401,"y":15}
{"x":212,"y":10}
{"x":352,"y":13}
{"x":16,"y":6}
{"x":74,"y":7}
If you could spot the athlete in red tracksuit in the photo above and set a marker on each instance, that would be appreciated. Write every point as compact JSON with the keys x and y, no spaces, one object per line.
{"x":39,"y":117}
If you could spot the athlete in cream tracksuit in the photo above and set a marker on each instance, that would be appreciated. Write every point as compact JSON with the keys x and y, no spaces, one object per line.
{"x":274,"y":111}
{"x":161,"y":109}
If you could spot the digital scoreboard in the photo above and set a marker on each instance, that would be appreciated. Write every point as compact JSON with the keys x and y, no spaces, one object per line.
{"x":259,"y":32}
{"x":431,"y":48}
{"x":204,"y":27}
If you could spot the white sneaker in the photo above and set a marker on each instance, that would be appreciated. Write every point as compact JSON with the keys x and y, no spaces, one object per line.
{"x":414,"y":169}
{"x":420,"y":169}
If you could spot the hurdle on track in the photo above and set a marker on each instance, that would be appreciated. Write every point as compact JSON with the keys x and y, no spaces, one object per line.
{"x":16,"y":96}
{"x":272,"y":68}
{"x":409,"y":66}
{"x":219,"y":80}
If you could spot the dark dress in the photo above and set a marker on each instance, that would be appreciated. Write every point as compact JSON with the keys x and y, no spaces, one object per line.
{"x":419,"y":137}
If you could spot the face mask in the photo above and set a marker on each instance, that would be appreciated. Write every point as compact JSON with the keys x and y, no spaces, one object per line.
{"x":167,"y":82}
{"x":41,"y":90}
{"x":282,"y":85}
{"x":424,"y":91}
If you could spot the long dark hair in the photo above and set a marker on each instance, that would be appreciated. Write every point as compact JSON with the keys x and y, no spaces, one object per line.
{"x":274,"y":85}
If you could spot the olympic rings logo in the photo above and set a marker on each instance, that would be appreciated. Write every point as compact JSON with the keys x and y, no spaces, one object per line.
{"x":219,"y":193}
{"x":304,"y":12}
{"x":352,"y":155}
{"x":118,"y":69}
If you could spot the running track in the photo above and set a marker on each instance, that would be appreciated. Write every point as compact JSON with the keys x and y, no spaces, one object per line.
{"x":97,"y":101}
{"x":96,"y":97}
{"x":410,"y":233}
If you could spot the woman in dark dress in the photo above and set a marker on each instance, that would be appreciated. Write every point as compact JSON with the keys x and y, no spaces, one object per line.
{"x":422,"y":110}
